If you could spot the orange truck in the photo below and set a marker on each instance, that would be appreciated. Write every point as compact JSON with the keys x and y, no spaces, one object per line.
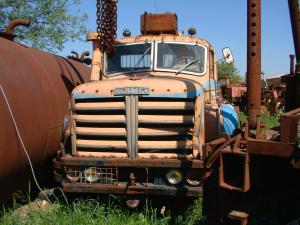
{"x":142,"y":124}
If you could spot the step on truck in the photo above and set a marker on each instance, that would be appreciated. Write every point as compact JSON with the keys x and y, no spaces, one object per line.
{"x":142,"y":124}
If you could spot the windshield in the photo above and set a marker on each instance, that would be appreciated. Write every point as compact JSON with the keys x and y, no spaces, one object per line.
{"x":129,"y":58}
{"x":177,"y":57}
{"x":173,"y":57}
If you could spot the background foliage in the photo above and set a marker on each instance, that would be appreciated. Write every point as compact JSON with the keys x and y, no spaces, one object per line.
{"x":225,"y":70}
{"x":52,"y":22}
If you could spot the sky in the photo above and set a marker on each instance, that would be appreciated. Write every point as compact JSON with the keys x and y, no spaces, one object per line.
{"x":222,"y":23}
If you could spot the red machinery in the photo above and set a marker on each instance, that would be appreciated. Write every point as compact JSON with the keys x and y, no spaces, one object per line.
{"x":256,"y":173}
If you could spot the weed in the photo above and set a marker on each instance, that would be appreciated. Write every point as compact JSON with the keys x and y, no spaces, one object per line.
{"x":92,"y":212}
{"x":268,"y":120}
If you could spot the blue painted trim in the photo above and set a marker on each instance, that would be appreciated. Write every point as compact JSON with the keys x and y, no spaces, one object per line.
{"x":210,"y":84}
{"x":87,"y":96}
{"x":189,"y":94}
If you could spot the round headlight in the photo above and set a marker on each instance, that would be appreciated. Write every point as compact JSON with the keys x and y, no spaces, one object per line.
{"x":174,"y":177}
{"x":72,"y":175}
{"x":91,"y":175}
{"x":193,"y":177}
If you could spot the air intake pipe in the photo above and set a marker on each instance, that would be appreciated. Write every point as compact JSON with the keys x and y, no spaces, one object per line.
{"x":9,"y":32}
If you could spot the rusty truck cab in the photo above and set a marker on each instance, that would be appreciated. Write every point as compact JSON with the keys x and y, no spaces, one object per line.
{"x":141,"y":126}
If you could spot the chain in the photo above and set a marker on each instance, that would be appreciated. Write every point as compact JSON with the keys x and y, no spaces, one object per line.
{"x":106,"y":24}
{"x":98,"y":14}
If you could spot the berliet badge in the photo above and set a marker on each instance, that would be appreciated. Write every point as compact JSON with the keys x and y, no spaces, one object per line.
{"x":131,"y":91}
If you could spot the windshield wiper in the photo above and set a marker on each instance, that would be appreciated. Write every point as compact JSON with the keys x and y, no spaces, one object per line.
{"x":187,"y":65}
{"x":140,"y":60}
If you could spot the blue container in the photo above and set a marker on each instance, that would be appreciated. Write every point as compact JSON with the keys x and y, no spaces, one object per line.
{"x":230,"y":118}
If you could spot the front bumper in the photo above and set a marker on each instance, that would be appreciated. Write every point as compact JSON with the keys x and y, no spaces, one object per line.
{"x":138,"y":189}
{"x":138,"y":163}
{"x":121,"y":187}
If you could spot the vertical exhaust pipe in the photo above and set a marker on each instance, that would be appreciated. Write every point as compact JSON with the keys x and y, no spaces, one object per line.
{"x":295,"y":23}
{"x":292,"y":64}
{"x":253,"y":60}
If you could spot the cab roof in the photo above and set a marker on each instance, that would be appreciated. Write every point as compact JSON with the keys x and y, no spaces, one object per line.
{"x":163,"y":37}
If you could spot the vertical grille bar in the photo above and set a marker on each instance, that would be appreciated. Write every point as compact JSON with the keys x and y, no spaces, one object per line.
{"x":132,"y":125}
{"x":135,"y":111}
{"x":128,"y":125}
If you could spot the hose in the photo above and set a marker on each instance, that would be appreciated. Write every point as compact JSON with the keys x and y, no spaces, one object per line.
{"x":44,"y":195}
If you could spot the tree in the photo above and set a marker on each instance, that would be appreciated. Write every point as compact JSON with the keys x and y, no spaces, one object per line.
{"x":225,"y":70}
{"x":53,"y":22}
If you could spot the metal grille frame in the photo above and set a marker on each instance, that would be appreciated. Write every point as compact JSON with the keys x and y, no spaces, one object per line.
{"x":104,"y":175}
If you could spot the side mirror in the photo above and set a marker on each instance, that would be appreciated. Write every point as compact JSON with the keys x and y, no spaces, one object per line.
{"x":227,"y":55}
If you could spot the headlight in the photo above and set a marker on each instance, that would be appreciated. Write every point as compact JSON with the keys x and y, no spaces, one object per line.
{"x":91,"y":175}
{"x":174,"y":177}
{"x":193,"y":177}
{"x":72,"y":175}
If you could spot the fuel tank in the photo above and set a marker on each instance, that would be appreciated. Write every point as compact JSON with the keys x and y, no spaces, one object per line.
{"x":37,"y":86}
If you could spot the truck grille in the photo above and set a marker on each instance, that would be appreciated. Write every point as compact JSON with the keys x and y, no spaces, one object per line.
{"x":133,"y":126}
{"x":165,"y":126}
{"x":100,"y":126}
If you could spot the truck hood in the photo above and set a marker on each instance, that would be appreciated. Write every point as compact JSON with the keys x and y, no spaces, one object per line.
{"x":157,"y":87}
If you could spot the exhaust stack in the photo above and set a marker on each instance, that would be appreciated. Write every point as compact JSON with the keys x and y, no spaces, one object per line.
{"x":292,"y":64}
{"x":254,"y":61}
{"x":295,"y":23}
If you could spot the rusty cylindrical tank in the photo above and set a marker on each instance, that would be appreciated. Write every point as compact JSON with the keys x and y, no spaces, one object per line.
{"x":254,"y":60}
{"x":38,"y":86}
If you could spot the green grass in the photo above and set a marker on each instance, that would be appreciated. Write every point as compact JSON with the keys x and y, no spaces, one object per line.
{"x":92,"y":212}
{"x":268,"y":120}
